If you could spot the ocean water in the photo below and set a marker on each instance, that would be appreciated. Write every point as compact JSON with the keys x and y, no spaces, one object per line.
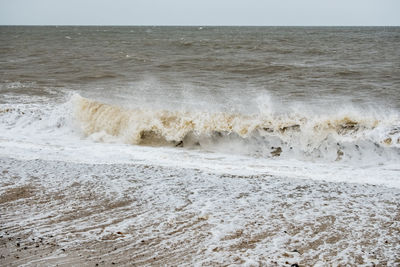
{"x":215,"y":127}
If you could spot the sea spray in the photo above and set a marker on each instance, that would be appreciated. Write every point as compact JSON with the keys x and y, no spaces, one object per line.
{"x":330,"y":136}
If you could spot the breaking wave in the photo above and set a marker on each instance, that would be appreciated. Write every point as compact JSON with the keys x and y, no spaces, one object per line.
{"x":333,"y":137}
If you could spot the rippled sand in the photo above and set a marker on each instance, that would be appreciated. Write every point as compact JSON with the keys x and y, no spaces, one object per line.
{"x":83,"y":214}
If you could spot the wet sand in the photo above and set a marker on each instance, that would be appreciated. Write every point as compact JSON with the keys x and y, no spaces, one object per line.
{"x":58,"y":213}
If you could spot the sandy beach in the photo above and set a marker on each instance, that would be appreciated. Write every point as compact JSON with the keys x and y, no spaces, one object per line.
{"x":58,"y":213}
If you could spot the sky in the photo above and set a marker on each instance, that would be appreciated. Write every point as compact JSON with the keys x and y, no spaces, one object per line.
{"x":201,"y":12}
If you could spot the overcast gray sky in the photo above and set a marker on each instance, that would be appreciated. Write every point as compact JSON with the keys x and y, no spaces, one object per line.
{"x":204,"y":12}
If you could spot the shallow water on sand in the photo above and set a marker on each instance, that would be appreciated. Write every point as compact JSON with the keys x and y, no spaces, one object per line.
{"x":71,"y":213}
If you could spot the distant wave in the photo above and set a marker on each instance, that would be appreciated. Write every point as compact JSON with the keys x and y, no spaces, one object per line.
{"x":330,"y":137}
{"x":98,"y":76}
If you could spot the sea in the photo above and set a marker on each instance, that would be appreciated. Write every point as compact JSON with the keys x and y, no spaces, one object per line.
{"x":206,"y":146}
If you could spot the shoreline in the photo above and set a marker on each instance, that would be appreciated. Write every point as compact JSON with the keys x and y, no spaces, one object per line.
{"x":64,"y":214}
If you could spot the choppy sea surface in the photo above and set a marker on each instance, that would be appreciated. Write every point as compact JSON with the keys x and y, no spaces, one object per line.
{"x":233,"y":131}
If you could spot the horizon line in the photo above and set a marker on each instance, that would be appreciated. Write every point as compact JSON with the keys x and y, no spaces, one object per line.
{"x":190,"y":25}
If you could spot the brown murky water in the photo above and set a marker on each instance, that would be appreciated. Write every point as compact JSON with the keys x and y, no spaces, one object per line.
{"x":213,"y":146}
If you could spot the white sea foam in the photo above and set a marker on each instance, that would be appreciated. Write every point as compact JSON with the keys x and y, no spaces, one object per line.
{"x":348,"y":135}
{"x":350,"y":147}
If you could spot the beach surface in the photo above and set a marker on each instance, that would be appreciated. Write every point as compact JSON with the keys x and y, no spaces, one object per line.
{"x":58,"y":213}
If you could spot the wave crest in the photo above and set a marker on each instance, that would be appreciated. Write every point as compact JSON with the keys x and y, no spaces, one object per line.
{"x":320,"y":136}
